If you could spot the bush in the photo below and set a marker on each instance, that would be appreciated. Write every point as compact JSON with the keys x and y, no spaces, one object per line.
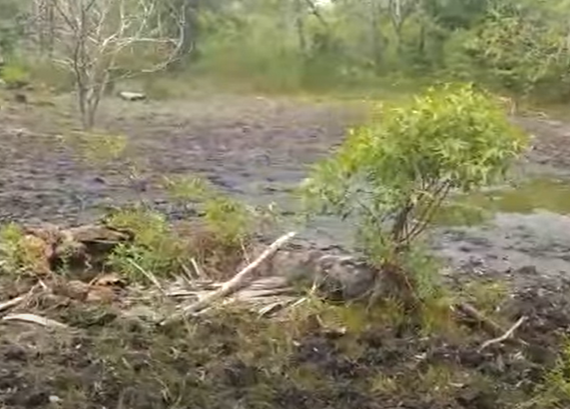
{"x":391,"y":176}
{"x":523,"y":50}
{"x":15,"y":75}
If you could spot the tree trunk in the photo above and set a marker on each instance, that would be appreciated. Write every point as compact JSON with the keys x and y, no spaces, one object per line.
{"x":376,"y":38}
{"x":300,"y":24}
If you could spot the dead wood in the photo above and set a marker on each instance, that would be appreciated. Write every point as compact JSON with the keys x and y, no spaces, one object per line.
{"x":488,"y":325}
{"x":507,"y":335}
{"x":34,"y":319}
{"x":237,"y":282}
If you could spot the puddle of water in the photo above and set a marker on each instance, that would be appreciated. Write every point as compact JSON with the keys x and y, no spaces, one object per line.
{"x":547,"y":194}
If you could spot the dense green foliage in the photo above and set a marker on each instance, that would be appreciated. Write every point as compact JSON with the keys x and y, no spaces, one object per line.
{"x":516,"y":46}
{"x":519,"y":47}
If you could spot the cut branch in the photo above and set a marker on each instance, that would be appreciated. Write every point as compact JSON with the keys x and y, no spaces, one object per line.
{"x":35,"y":319}
{"x":508,"y":334}
{"x":237,"y":282}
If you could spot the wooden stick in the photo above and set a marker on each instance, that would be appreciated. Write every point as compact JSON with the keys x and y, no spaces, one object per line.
{"x":490,"y":326}
{"x":236,"y":282}
{"x":505,"y":336}
{"x":17,"y":300}
{"x":35,"y":319}
{"x":12,"y":303}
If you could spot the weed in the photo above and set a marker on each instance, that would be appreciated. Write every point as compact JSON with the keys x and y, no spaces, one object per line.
{"x":384,"y":384}
{"x":97,"y":147}
{"x":437,"y":380}
{"x":230,"y":220}
{"x":486,"y":296}
{"x":554,"y":392}
{"x":21,"y":253}
{"x":436,"y":317}
{"x":392,"y":312}
{"x":15,"y":75}
{"x":155,"y":248}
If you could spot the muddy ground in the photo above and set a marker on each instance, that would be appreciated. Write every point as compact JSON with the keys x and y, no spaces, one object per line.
{"x":258,"y":149}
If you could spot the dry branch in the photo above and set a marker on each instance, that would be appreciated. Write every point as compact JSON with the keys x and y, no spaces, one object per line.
{"x":12,"y":303}
{"x":34,"y":319}
{"x":237,"y":282}
{"x":490,"y":326}
{"x":92,"y":36}
{"x":508,"y":334}
{"x":20,"y":299}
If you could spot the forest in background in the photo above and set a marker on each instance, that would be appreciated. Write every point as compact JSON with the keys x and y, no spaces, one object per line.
{"x":519,"y":47}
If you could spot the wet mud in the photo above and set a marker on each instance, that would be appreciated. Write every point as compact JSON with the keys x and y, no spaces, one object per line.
{"x":258,"y":149}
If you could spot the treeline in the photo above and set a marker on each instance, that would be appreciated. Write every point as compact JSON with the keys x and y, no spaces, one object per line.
{"x":516,"y":46}
{"x":521,"y":46}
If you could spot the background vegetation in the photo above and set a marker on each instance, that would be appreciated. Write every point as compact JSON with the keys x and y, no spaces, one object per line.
{"x":514,"y":46}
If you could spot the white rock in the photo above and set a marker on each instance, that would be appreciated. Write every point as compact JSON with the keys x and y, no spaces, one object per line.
{"x":54,"y":399}
{"x":132,"y":96}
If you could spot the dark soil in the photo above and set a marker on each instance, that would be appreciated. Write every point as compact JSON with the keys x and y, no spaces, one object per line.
{"x":254,"y":148}
{"x":258,"y":149}
{"x":235,"y":359}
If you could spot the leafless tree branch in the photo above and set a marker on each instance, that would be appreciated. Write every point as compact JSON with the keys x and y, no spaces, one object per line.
{"x":93,"y":35}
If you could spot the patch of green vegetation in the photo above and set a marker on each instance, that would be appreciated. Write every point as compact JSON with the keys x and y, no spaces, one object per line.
{"x":554,"y":392}
{"x":438,"y":380}
{"x":486,"y":296}
{"x":155,"y":250}
{"x":15,"y":75}
{"x":97,"y":148}
{"x":21,"y":254}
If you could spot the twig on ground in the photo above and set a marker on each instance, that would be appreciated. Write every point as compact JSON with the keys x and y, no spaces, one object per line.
{"x":187,"y":276}
{"x":43,"y":285}
{"x":275,"y":307}
{"x":197,"y":268}
{"x":148,"y":275}
{"x":20,"y":299}
{"x":508,"y":334}
{"x":13,"y":302}
{"x":35,"y":319}
{"x":488,"y":324}
{"x":234,"y":284}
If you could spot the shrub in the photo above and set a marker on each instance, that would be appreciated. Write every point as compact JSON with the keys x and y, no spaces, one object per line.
{"x":392,"y":175}
{"x":15,"y":75}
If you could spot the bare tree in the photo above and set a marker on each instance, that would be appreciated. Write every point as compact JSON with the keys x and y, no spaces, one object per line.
{"x":93,"y":36}
{"x":41,"y":26}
